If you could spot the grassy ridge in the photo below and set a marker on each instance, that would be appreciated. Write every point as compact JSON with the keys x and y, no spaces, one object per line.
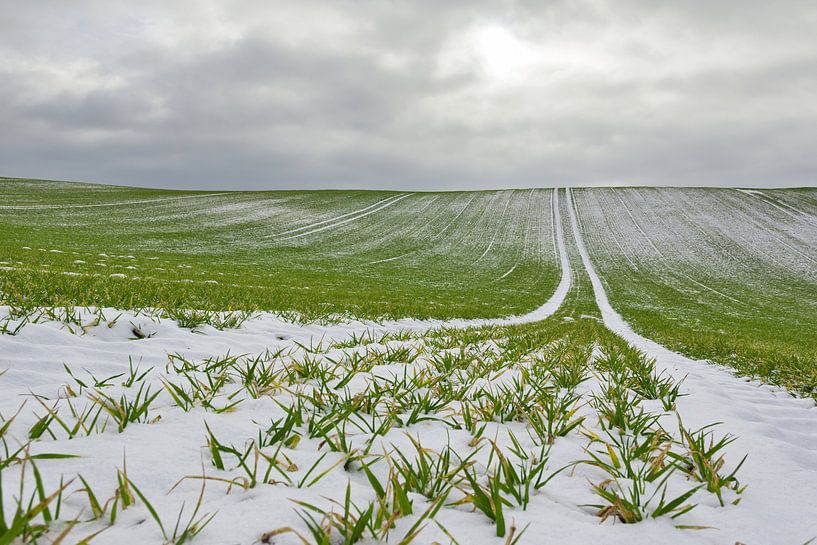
{"x":368,"y":254}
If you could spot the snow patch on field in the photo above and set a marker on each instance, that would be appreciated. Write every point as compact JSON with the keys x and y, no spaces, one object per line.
{"x":333,"y":219}
{"x":313,"y":228}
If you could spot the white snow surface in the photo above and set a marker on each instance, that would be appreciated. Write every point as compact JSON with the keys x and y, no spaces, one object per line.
{"x":778,"y":432}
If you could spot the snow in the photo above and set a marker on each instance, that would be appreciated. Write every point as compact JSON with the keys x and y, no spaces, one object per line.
{"x":778,"y":431}
{"x":314,"y":229}
{"x":553,"y":303}
{"x":509,"y":271}
{"x":335,"y":218}
{"x":434,"y":237}
{"x":498,"y":228}
{"x":106,"y":204}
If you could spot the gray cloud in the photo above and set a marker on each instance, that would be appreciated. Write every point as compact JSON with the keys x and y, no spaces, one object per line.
{"x":415,"y":95}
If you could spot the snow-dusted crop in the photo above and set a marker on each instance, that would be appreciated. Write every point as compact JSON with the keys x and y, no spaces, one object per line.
{"x":329,"y":412}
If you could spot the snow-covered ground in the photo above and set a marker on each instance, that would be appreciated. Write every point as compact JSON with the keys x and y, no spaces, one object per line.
{"x":777,"y":431}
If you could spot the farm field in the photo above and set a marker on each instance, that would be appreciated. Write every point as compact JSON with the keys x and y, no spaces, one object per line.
{"x":366,"y":254}
{"x":530,"y":403}
{"x":718,"y":274}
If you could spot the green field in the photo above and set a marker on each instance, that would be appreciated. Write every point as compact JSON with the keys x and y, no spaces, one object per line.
{"x":175,"y":410}
{"x":440,"y":255}
{"x":713,"y":273}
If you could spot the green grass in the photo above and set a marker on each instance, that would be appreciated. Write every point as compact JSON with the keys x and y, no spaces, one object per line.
{"x":716,"y":274}
{"x":504,"y":398}
{"x":227,"y":251}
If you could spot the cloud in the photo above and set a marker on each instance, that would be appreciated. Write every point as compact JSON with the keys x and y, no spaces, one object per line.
{"x":413,"y":95}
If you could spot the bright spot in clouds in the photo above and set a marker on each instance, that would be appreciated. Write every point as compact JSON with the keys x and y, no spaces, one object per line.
{"x":502,"y":55}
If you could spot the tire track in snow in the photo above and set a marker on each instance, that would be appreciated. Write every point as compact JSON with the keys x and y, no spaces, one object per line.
{"x":309,"y":226}
{"x":611,"y":318}
{"x":553,"y":303}
{"x":354,"y":218}
{"x":553,"y":194}
{"x":787,"y":209}
{"x":776,"y":441}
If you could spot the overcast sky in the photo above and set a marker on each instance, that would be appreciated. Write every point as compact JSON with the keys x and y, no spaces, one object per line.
{"x":438,"y":94}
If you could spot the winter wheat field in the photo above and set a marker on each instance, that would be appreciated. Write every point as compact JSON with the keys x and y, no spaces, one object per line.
{"x":606,"y":365}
